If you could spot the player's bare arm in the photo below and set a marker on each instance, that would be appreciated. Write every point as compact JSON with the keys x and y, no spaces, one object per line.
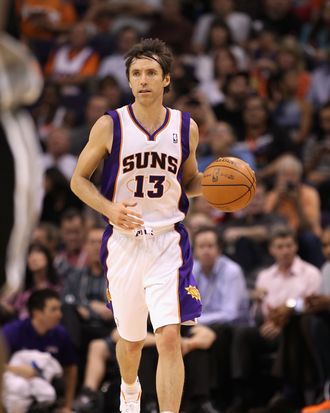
{"x":98,"y":147}
{"x":191,"y":176}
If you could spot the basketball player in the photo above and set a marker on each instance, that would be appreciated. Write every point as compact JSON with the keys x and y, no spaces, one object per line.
{"x":149,"y":169}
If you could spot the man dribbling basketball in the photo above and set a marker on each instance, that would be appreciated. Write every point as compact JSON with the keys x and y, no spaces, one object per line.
{"x":149,"y":168}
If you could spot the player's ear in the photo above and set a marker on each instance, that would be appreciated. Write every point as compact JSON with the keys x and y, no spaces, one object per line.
{"x":167,"y":80}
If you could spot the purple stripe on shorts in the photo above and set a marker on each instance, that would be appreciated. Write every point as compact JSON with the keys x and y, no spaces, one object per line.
{"x":185,"y":128}
{"x":104,"y":255}
{"x":111,"y":163}
{"x":190,"y":307}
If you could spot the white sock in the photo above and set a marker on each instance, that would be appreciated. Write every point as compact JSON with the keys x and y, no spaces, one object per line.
{"x":131,"y":389}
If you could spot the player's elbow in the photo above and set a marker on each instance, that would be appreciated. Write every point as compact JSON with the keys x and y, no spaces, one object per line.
{"x":74,"y":184}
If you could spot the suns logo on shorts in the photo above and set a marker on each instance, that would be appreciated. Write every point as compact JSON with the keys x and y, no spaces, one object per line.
{"x":193,"y":291}
{"x":108,"y":295}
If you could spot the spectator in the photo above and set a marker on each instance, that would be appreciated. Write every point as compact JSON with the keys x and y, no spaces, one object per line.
{"x":57,"y":155}
{"x":73,"y":233}
{"x":236,"y":90}
{"x":84,"y":297}
{"x":58,"y":196}
{"x":46,"y":234}
{"x":224,"y":63}
{"x":96,"y":106}
{"x":72,"y":66}
{"x":289,"y":112}
{"x":319,"y":91}
{"x":288,"y":278}
{"x":239,"y":23}
{"x":40,"y":24}
{"x":246,"y":236}
{"x":299,"y":204}
{"x":278,"y":16}
{"x":317,"y":158}
{"x":221,"y":141}
{"x":40,"y":274}
{"x":109,"y":88}
{"x":114,"y":65}
{"x":41,"y":331}
{"x":172,"y":27}
{"x":261,"y":139}
{"x":315,"y":36}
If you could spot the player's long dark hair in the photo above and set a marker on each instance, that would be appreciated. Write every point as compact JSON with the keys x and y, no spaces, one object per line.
{"x":153,"y":49}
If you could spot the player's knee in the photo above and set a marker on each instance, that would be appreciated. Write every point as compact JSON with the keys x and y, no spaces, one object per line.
{"x":168,"y":339}
{"x":133,"y":346}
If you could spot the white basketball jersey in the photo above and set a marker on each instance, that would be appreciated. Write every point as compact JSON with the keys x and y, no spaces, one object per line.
{"x":147,"y":168}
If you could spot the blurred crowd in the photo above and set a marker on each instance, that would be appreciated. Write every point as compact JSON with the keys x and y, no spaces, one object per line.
{"x":255,"y":76}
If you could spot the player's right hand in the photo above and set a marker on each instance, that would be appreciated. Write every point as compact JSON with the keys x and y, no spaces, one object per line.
{"x":120,"y":214}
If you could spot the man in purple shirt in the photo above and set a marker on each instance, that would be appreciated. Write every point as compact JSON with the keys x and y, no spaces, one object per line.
{"x":41,"y":331}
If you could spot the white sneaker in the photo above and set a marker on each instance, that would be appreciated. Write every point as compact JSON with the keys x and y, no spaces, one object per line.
{"x":130,"y":406}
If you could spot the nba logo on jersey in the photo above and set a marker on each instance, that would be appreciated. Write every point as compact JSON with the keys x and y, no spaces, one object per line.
{"x":175,"y":138}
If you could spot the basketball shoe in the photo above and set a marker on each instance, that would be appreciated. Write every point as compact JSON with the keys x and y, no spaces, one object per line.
{"x":130,"y":403}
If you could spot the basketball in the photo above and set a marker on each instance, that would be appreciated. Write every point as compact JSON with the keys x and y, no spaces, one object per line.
{"x":228,"y":184}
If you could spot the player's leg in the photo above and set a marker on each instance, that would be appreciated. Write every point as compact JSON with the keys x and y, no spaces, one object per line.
{"x":128,"y":356}
{"x":125,"y":265}
{"x":170,"y":370}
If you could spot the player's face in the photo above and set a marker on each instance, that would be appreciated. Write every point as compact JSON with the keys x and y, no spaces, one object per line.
{"x":284,"y":250}
{"x":146,"y":79}
{"x":206,"y":248}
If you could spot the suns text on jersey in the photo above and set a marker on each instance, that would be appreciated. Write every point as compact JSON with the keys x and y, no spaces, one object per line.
{"x":143,"y":160}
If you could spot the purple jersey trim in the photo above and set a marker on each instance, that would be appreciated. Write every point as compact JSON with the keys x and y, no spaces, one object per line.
{"x":190,"y":308}
{"x":185,"y":149}
{"x":104,"y":256}
{"x":111,"y":163}
{"x":151,"y":136}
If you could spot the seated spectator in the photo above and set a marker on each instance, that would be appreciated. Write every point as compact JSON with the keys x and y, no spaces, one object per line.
{"x":58,"y":196}
{"x":41,"y":23}
{"x":114,"y":65}
{"x":288,"y":278}
{"x":172,"y":27}
{"x":57,"y":152}
{"x":239,"y":23}
{"x":319,"y":305}
{"x":72,"y":66}
{"x":319,"y":90}
{"x":315,"y":36}
{"x":221,"y":141}
{"x":236,"y":89}
{"x":46,"y":234}
{"x":317,"y":159}
{"x":197,"y":220}
{"x":109,"y":87}
{"x":278,"y":16}
{"x":289,"y":56}
{"x":41,"y":331}
{"x":289,"y":112}
{"x":261,"y":139}
{"x":224,"y":64}
{"x":84,"y":296}
{"x":20,"y":393}
{"x":96,"y":106}
{"x":73,"y":234}
{"x":246,"y":236}
{"x":299,"y":204}
{"x":40,"y":274}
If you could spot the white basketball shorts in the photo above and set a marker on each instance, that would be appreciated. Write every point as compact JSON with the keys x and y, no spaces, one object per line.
{"x":149,"y":273}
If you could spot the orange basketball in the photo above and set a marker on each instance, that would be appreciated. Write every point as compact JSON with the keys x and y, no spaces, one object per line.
{"x":228,"y":184}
